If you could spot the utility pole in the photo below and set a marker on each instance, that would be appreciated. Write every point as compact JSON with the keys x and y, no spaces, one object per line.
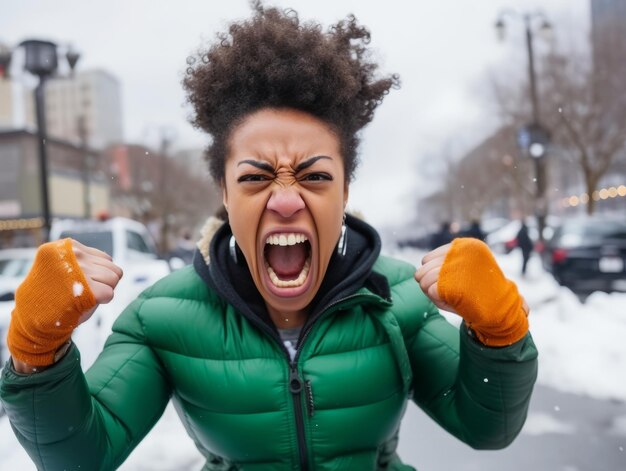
{"x":533,"y":137}
{"x":163,"y":192}
{"x":86,"y":167}
{"x":539,"y":157}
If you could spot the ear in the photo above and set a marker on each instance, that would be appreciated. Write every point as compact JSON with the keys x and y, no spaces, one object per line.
{"x":224,"y":194}
{"x":346,"y":192}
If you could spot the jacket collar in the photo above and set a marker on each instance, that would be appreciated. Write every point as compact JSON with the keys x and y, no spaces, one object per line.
{"x":345,"y":275}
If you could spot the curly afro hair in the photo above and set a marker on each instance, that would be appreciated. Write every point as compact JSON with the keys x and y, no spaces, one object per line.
{"x":273,"y":60}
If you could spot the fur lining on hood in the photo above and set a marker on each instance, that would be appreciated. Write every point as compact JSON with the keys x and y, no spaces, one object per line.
{"x":206,"y":235}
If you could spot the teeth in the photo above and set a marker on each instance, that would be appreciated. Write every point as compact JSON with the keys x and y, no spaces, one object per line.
{"x":289,"y":238}
{"x":299,"y":281}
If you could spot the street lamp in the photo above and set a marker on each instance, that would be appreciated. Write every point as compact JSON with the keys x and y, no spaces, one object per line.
{"x":532,"y":137}
{"x":41,"y":60}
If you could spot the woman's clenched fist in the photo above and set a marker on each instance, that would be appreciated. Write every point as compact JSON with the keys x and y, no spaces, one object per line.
{"x":63,"y":288}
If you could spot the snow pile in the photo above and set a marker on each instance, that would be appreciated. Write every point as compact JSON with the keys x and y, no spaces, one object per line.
{"x":582,"y":347}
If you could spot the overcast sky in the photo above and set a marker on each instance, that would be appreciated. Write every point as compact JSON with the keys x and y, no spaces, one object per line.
{"x":442,"y":50}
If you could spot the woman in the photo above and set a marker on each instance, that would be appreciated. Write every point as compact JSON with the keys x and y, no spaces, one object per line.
{"x":291,"y":343}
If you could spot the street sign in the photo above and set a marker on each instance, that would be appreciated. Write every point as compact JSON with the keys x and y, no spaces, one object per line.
{"x":533,"y":139}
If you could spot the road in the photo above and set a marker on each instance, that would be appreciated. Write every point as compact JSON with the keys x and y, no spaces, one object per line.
{"x":564,"y":432}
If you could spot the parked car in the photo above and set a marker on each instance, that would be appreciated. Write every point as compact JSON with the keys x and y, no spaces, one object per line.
{"x":14,"y":265}
{"x":6,"y":307}
{"x":588,"y":254}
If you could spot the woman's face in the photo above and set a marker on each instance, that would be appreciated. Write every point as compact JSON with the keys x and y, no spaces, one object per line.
{"x":285,"y":192}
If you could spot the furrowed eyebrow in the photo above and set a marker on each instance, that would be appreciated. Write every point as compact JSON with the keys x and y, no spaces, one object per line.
{"x":258,"y":164}
{"x":307,"y":163}
{"x":268,"y":168}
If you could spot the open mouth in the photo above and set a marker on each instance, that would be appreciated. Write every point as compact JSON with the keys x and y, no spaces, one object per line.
{"x":287,"y":259}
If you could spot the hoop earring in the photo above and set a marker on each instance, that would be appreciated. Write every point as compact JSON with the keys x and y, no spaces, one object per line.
{"x":342,"y":245}
{"x":232,"y":248}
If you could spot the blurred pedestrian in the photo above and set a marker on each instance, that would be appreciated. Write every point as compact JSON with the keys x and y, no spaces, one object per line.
{"x":525,"y":243}
{"x":441,"y":237}
{"x":475,"y":231}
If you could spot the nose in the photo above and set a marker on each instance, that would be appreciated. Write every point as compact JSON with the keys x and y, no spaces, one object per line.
{"x":285,"y":201}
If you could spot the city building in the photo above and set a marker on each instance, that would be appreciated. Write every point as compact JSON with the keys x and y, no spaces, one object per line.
{"x":6,"y":104}
{"x":608,"y":36}
{"x":608,"y":41}
{"x":167,"y":193}
{"x":16,"y":106}
{"x":70,"y":183}
{"x":86,"y":107}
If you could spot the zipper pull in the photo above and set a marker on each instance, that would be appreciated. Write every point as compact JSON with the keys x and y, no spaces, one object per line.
{"x":295,"y":382}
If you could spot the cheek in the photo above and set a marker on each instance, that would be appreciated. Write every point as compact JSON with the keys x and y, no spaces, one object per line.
{"x":244,"y":214}
{"x":329,"y":217}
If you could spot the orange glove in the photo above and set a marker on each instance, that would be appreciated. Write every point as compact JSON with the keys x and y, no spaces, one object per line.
{"x":465,"y":278}
{"x":48,"y":304}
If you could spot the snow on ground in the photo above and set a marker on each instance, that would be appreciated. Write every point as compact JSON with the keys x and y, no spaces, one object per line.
{"x":581,"y":347}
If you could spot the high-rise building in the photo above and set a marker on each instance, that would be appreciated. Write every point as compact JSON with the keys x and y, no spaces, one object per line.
{"x":89,"y":101}
{"x":608,"y":34}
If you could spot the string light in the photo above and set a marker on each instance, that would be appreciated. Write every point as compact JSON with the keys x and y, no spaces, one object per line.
{"x":20,"y":224}
{"x":597,"y":195}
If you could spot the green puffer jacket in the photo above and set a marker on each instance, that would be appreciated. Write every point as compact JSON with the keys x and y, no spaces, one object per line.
{"x":338,"y":406}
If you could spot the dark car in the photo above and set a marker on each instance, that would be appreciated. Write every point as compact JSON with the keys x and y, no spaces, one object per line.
{"x":588,"y":255}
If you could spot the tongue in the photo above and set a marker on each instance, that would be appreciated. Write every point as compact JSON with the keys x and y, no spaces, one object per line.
{"x":286,"y":260}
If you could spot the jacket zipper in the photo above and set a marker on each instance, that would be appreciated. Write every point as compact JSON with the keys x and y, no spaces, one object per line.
{"x":296,"y":383}
{"x":295,"y":387}
{"x":310,"y":405}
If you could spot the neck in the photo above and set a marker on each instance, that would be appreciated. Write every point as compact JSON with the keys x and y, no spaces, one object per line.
{"x":287,"y":320}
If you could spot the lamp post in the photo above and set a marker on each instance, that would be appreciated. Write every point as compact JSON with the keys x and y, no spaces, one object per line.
{"x":86,"y":168}
{"x":532,"y":137}
{"x":41,"y":60}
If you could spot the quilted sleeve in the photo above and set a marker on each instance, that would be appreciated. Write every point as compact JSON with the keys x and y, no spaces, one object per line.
{"x":479,"y":394}
{"x":69,"y":420}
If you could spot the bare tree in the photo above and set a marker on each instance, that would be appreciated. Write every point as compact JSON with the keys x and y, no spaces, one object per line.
{"x":583,"y":106}
{"x":486,"y":176}
{"x":590,"y":117}
{"x":153,"y":187}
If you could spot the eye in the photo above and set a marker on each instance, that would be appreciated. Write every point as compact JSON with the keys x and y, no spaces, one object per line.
{"x":253,"y":177}
{"x":316,"y":177}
